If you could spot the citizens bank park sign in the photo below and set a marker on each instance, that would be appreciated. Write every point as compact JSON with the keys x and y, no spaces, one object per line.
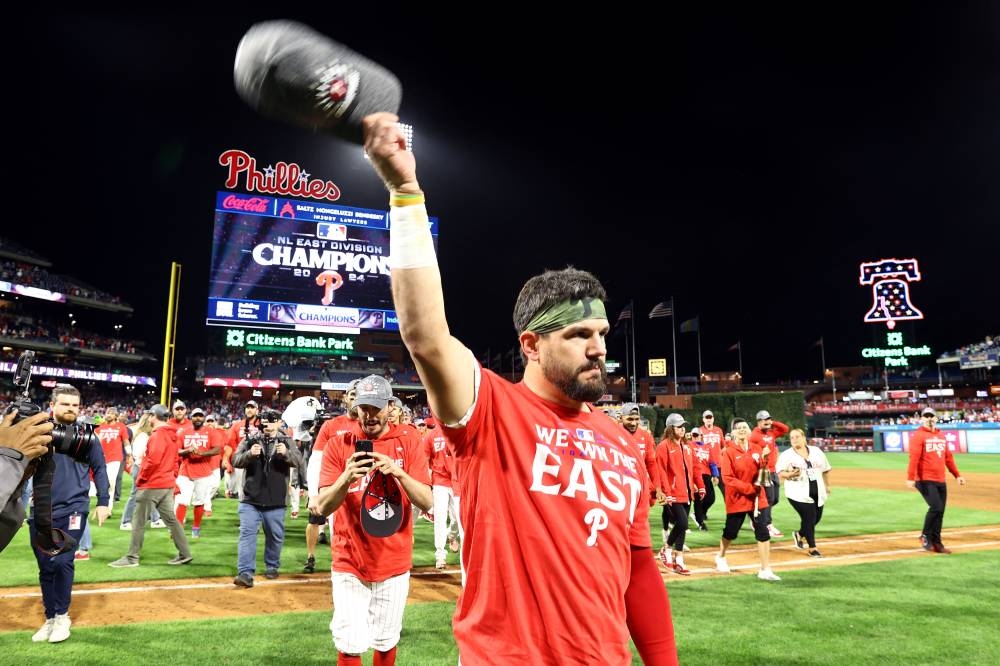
{"x":890,"y":281}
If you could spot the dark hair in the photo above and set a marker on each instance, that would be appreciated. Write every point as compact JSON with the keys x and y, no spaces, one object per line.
{"x":552,"y":287}
{"x":736,"y":421}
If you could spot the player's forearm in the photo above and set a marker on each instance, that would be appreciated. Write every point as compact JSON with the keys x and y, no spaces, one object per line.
{"x":420,"y":494}
{"x":331,"y":497}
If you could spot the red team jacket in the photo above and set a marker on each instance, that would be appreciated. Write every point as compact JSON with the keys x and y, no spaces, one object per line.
{"x":929,"y":455}
{"x":762,"y":439}
{"x":674,"y":460}
{"x":739,"y":471}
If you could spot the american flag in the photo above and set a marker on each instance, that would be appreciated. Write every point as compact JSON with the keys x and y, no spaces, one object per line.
{"x":626,"y":313}
{"x":664,"y":309}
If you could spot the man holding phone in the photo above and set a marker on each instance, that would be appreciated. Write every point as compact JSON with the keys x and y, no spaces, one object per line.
{"x":370,"y":574}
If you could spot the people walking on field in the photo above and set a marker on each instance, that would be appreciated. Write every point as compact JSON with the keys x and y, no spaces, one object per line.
{"x":805,"y":471}
{"x":929,"y":457}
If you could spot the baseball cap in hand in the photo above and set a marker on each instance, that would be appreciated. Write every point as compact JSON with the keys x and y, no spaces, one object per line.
{"x":159,"y":411}
{"x":373,"y":390}
{"x":382,"y":506}
{"x":763,"y":415}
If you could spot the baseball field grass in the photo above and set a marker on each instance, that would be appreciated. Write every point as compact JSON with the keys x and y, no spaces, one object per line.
{"x":925,"y":609}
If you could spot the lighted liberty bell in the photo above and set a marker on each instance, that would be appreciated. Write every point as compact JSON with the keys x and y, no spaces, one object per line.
{"x":890,"y":291}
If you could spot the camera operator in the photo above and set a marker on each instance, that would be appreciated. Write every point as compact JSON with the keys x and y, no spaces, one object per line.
{"x":267,"y":458}
{"x":70,"y":505}
{"x":20,"y":443}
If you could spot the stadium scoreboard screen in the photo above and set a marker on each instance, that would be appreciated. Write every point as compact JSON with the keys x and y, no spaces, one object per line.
{"x":300,"y":265}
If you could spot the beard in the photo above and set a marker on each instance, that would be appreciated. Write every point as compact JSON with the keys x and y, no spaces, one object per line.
{"x":568,"y":380}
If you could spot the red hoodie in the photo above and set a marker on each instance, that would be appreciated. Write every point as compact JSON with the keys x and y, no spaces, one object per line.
{"x":161,"y":462}
{"x":929,"y":455}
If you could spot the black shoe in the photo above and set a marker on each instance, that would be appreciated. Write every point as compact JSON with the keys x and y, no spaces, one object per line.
{"x":310,"y":566}
{"x":702,"y":527}
{"x":271,"y":574}
{"x":243,"y":580}
{"x":798,"y":540}
{"x":815,"y":553}
{"x":925,"y":543}
{"x":323,"y":539}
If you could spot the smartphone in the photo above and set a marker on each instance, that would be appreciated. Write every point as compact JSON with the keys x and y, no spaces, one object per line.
{"x":365,"y":446}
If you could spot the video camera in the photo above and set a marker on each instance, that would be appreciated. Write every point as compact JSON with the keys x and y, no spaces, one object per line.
{"x":72,"y":440}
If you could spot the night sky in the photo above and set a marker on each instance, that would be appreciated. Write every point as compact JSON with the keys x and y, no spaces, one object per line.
{"x":743,"y":163}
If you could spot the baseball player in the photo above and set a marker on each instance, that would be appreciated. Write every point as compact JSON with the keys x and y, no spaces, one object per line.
{"x":199,"y":446}
{"x":764,"y":435}
{"x":370,"y":575}
{"x":554,"y":495}
{"x":442,"y":464}
{"x":338,"y":425}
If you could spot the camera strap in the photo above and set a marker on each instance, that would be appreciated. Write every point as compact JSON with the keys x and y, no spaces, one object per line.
{"x":46,"y":539}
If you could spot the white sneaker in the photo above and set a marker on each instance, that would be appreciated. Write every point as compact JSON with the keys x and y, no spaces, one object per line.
{"x":767,"y":574}
{"x":440,"y":564}
{"x":774,"y":531}
{"x":721,"y":565}
{"x":126,"y":527}
{"x":157,"y":524}
{"x":43,"y":634}
{"x":686,"y":549}
{"x":60,"y":628}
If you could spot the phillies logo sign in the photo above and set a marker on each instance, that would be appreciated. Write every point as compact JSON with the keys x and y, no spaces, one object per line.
{"x":281,"y":178}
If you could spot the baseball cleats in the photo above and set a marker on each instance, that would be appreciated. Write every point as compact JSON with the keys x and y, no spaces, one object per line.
{"x":180,"y":559}
{"x":721,"y":565}
{"x":767,"y":574}
{"x":310,"y":566}
{"x":798,"y":541}
{"x":243,"y":580}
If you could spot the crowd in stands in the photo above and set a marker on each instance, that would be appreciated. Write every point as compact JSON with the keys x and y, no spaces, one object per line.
{"x":302,"y":368}
{"x":36,"y":276}
{"x":39,"y":330}
{"x":990,"y":345}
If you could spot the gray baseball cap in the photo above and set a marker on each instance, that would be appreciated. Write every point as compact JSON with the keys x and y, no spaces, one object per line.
{"x":629,"y":407}
{"x":196,"y":411}
{"x":159,"y":411}
{"x":763,"y":415}
{"x":373,"y":390}
{"x":675,"y":419}
{"x":928,"y":411}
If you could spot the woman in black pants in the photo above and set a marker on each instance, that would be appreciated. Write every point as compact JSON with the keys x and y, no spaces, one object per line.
{"x":805,"y":470}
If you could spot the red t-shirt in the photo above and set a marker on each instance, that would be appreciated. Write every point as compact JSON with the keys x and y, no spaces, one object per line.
{"x":442,"y":460}
{"x":762,"y":439}
{"x":929,"y":455}
{"x":352,"y":549}
{"x":739,"y":471}
{"x":338,"y":425}
{"x":552,"y":500}
{"x":202,"y":439}
{"x":647,"y":446}
{"x":112,"y":440}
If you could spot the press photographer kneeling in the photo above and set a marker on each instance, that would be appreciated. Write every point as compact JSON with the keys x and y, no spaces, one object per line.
{"x":268,"y":458}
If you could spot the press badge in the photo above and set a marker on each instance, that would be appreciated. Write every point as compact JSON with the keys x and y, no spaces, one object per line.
{"x":74,"y":521}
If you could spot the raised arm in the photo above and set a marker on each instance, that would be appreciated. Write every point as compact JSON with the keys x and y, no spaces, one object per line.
{"x":446,"y":367}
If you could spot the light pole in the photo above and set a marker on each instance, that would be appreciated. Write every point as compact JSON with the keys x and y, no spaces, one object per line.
{"x":833,"y":380}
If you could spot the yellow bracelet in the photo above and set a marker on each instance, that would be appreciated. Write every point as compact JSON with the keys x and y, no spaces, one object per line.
{"x":399,"y":199}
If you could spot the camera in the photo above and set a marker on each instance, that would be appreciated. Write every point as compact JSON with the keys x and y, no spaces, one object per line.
{"x":72,"y":440}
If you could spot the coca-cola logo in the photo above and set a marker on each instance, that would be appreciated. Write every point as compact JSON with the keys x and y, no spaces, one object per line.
{"x":248,"y":204}
{"x":284,"y":178}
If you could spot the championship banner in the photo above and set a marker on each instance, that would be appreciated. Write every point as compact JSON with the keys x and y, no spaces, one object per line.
{"x":300,"y":265}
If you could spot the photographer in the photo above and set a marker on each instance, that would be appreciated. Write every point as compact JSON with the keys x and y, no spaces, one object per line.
{"x":267,"y":458}
{"x":70,"y":505}
{"x":20,"y":443}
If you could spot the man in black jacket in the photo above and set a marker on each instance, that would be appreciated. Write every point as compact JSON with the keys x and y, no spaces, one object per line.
{"x":268,"y":458}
